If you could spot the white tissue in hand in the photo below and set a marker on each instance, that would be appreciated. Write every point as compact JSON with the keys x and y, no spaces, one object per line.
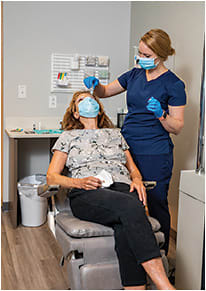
{"x":105,"y":177}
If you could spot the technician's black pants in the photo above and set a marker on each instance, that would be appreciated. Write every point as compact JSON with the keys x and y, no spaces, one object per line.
{"x":122,"y":210}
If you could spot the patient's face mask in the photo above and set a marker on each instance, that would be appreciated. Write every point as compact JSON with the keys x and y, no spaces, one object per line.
{"x":88,"y":107}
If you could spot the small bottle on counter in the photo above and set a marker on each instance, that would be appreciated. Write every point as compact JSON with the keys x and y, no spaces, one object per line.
{"x":39,"y":125}
{"x":34,"y":126}
{"x":60,"y":124}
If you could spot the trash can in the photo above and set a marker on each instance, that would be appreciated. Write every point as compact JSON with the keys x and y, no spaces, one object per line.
{"x":33,"y":207}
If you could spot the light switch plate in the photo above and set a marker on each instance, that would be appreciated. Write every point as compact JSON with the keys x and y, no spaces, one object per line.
{"x":21,"y":91}
{"x":52,"y":101}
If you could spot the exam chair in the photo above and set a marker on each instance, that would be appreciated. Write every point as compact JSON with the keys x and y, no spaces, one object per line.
{"x":88,"y":248}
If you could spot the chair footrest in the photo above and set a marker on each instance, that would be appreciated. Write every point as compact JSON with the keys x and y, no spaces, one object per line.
{"x":105,"y":274}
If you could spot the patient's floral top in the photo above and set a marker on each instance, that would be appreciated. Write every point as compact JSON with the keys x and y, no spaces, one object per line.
{"x":92,"y":150}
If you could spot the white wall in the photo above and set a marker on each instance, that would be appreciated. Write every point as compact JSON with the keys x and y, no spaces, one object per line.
{"x":35,"y":30}
{"x":184,"y":22}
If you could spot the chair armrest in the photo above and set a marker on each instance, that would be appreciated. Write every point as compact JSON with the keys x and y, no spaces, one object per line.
{"x":53,"y":188}
{"x":47,"y":191}
{"x":149,"y":184}
{"x":50,"y":190}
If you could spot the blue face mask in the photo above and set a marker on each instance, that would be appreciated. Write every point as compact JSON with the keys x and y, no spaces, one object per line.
{"x":147,"y":63}
{"x":88,"y":107}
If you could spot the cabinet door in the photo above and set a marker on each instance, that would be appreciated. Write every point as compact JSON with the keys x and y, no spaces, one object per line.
{"x":189,"y":249}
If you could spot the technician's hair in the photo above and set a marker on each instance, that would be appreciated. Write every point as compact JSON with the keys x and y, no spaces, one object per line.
{"x":159,"y":42}
{"x":70,"y":122}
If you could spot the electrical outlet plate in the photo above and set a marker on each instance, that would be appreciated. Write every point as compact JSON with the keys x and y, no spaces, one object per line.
{"x":21,"y":91}
{"x":52,"y":101}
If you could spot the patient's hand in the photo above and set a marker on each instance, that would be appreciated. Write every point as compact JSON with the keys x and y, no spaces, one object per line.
{"x":138,"y":185}
{"x":89,"y":183}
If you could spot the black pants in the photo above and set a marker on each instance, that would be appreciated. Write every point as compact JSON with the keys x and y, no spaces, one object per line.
{"x":157,"y":168}
{"x":116,"y":207}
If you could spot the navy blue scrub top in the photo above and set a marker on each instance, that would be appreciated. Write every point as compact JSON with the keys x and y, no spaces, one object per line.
{"x":144,"y":132}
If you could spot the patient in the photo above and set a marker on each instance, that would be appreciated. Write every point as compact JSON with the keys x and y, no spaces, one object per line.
{"x":88,"y":145}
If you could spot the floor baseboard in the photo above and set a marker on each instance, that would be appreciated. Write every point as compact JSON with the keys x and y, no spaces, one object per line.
{"x":5,"y":206}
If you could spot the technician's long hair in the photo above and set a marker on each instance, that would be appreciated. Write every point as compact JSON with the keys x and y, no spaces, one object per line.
{"x":70,"y":122}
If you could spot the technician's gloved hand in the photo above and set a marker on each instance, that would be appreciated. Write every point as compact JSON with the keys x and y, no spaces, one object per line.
{"x":155,"y":106}
{"x":91,"y":81}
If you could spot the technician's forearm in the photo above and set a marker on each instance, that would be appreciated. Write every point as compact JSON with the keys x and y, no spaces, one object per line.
{"x":112,"y":89}
{"x":100,"y":91}
{"x":63,"y":181}
{"x":172,"y":125}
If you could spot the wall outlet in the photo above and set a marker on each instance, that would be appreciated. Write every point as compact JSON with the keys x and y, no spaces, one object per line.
{"x":52,"y":101}
{"x":21,"y":91}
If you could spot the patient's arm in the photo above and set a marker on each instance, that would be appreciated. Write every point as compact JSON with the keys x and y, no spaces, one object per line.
{"x":55,"y":169}
{"x":136,"y":178}
{"x":54,"y":176}
{"x":132,"y":168}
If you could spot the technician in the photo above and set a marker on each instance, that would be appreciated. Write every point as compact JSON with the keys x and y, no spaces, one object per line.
{"x":155,"y":99}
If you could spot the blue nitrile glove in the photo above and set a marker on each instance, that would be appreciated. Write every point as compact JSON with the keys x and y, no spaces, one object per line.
{"x":155,"y":106}
{"x":91,"y":81}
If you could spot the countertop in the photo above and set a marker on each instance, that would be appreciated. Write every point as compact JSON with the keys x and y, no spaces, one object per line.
{"x":22,"y":134}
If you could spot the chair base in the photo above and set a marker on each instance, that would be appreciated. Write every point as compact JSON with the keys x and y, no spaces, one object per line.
{"x":92,"y":269}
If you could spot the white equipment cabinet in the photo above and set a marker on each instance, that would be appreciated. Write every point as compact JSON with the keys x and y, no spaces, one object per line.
{"x":190,"y":231}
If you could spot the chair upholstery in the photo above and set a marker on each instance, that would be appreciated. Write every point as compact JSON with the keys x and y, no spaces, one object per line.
{"x":89,"y":250}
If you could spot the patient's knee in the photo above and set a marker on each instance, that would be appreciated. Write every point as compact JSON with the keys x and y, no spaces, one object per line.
{"x":133,"y":209}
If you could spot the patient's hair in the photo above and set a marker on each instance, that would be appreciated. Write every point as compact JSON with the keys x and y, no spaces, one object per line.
{"x":70,"y":122}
